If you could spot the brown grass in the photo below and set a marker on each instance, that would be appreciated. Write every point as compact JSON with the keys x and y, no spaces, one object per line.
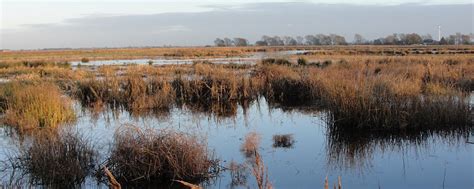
{"x":145,"y":156}
{"x":283,"y":141}
{"x":251,"y":144}
{"x":35,"y":105}
{"x":61,"y":159}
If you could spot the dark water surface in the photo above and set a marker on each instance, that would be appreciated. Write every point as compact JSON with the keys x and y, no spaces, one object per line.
{"x":425,"y":161}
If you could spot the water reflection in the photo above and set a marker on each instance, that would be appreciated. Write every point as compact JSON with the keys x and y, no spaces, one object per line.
{"x":364,"y":159}
{"x":356,"y":148}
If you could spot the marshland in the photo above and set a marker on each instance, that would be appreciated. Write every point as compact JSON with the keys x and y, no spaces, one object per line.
{"x":364,"y":116}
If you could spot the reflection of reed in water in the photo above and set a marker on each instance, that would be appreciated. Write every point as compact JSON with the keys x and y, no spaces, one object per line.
{"x":355,"y":148}
{"x":238,"y":174}
{"x":250,"y":150}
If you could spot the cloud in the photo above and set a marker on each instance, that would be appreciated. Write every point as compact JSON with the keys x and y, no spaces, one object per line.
{"x":250,"y":21}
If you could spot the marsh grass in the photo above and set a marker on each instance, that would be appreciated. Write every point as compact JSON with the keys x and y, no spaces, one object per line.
{"x":251,"y":144}
{"x":144,"y":156}
{"x":283,"y":141}
{"x":238,"y":174}
{"x":57,"y":159}
{"x":380,"y":93}
{"x":35,"y":105}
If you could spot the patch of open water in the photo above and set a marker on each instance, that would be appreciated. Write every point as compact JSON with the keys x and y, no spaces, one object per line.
{"x":435,"y":161}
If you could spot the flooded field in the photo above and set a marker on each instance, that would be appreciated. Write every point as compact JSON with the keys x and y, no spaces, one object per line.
{"x":421,"y":160}
{"x":283,"y":119}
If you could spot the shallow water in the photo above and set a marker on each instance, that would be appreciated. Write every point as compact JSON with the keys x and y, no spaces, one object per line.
{"x":250,"y":59}
{"x":433,"y":161}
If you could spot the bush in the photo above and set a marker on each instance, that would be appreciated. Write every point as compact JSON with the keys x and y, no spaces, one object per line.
{"x":278,"y":61}
{"x":84,"y":60}
{"x":302,"y":61}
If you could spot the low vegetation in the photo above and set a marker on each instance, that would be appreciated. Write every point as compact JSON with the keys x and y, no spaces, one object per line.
{"x":57,"y":160}
{"x":145,"y":156}
{"x":29,"y":106}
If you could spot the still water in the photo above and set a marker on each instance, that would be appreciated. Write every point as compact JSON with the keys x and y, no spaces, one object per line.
{"x":428,"y":161}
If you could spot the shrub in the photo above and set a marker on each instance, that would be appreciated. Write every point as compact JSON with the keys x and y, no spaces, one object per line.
{"x":84,"y":60}
{"x":302,"y":61}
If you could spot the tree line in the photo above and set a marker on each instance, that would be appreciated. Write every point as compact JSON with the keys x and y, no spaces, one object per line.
{"x":334,"y":39}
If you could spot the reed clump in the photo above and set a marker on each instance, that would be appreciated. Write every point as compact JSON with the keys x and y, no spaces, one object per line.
{"x":35,"y":105}
{"x":283,"y":141}
{"x":58,"y":159}
{"x":288,"y":85}
{"x":251,"y":144}
{"x":391,"y":101}
{"x":145,"y":156}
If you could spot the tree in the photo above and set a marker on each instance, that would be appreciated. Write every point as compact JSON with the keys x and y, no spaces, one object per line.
{"x":379,"y":41}
{"x":228,"y":42}
{"x":299,"y":40}
{"x":427,"y":39}
{"x":465,"y":39}
{"x":289,"y":41}
{"x":219,"y":42}
{"x":337,"y":40}
{"x":261,"y":43}
{"x":240,"y":42}
{"x":413,"y":38}
{"x":323,"y":39}
{"x":390,"y":40}
{"x":443,"y":41}
{"x":358,"y":39}
{"x":311,"y":40}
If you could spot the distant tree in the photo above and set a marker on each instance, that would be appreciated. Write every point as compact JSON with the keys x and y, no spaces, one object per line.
{"x":379,"y":41}
{"x":443,"y":41}
{"x":465,"y":39}
{"x":228,"y":42}
{"x":324,"y":39}
{"x":289,"y":41}
{"x":311,"y":40}
{"x":390,"y":40}
{"x":299,"y":40}
{"x":358,"y":39}
{"x":261,"y":43}
{"x":427,"y":39}
{"x":337,"y":39}
{"x":451,"y":40}
{"x":219,"y":42}
{"x":240,"y":42}
{"x":278,"y":41}
{"x":411,"y":39}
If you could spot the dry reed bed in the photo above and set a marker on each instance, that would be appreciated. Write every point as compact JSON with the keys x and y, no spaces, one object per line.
{"x":378,"y":94}
{"x":142,"y":156}
{"x":191,"y":52}
{"x":28,"y":106}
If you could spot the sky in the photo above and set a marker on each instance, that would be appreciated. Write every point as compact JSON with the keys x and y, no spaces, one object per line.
{"x":32,"y":24}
